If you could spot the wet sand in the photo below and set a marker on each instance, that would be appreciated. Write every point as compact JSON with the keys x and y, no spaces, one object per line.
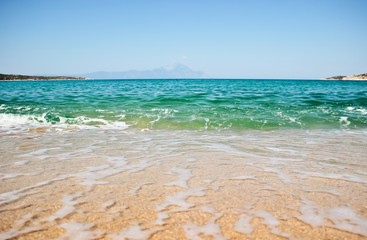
{"x":97,"y":184}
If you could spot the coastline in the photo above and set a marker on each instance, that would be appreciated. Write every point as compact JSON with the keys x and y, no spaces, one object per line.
{"x":45,"y":80}
{"x":359,"y":77}
{"x":4,"y":77}
{"x":178,"y":79}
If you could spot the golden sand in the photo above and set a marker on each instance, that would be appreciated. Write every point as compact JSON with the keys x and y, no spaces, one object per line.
{"x":153,"y":186}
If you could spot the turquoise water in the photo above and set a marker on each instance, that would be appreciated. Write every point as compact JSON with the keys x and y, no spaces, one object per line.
{"x":185,"y":104}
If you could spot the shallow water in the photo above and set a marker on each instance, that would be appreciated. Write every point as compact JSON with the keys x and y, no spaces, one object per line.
{"x":108,"y":184}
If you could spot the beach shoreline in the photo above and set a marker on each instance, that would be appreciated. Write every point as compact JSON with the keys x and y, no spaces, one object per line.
{"x":183,"y":184}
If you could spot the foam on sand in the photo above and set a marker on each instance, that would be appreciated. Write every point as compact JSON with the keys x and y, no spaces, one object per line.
{"x":184,"y":175}
{"x":132,"y":232}
{"x":194,"y":231}
{"x":179,"y":199}
{"x":78,"y":231}
{"x":243,"y":225}
{"x":343,"y":218}
{"x":68,"y":207}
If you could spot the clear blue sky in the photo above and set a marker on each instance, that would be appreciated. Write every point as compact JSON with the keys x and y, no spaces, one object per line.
{"x":224,"y":38}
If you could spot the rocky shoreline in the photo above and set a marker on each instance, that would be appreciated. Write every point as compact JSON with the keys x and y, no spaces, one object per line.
{"x":353,"y":77}
{"x":16,"y":77}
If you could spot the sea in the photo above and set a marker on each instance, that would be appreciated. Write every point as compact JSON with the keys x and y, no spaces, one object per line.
{"x":183,"y":159}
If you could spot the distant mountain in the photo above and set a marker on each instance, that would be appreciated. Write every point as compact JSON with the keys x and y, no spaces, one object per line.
{"x":353,"y":77}
{"x":28,"y":77}
{"x":177,"y":71}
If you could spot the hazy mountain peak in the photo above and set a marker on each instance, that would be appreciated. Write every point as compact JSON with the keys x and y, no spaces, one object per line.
{"x":173,"y":71}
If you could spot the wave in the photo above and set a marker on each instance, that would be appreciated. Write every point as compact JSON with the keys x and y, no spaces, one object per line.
{"x":26,"y":122}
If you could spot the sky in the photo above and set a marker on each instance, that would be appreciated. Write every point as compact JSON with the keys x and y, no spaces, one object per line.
{"x":222,"y":38}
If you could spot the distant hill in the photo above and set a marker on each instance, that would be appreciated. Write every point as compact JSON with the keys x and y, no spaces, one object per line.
{"x":29,"y":77}
{"x":174,"y":72}
{"x":353,"y":77}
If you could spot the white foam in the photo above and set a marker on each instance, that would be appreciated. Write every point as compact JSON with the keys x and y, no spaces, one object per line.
{"x":180,"y":199}
{"x":24,"y":122}
{"x":114,"y":126}
{"x":268,"y":218}
{"x":11,"y":175}
{"x":13,"y":120}
{"x":346,"y":219}
{"x":344,"y":121}
{"x":161,"y":217}
{"x":191,"y":160}
{"x":271,"y":222}
{"x":78,"y":231}
{"x":93,"y":175}
{"x":132,"y":232}
{"x":277,"y":149}
{"x":40,"y":153}
{"x":15,"y":230}
{"x":11,"y":196}
{"x":69,"y":202}
{"x":141,"y":166}
{"x":184,"y":175}
{"x":338,"y":176}
{"x":281,"y":175}
{"x":243,"y":225}
{"x":361,"y":110}
{"x":243,"y":177}
{"x":4,"y":176}
{"x":22,"y":162}
{"x":310,"y":215}
{"x":343,"y":218}
{"x":115,"y":165}
{"x":193,"y":231}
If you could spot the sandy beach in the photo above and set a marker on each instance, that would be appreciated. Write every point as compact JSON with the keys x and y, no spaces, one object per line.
{"x":183,"y":185}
